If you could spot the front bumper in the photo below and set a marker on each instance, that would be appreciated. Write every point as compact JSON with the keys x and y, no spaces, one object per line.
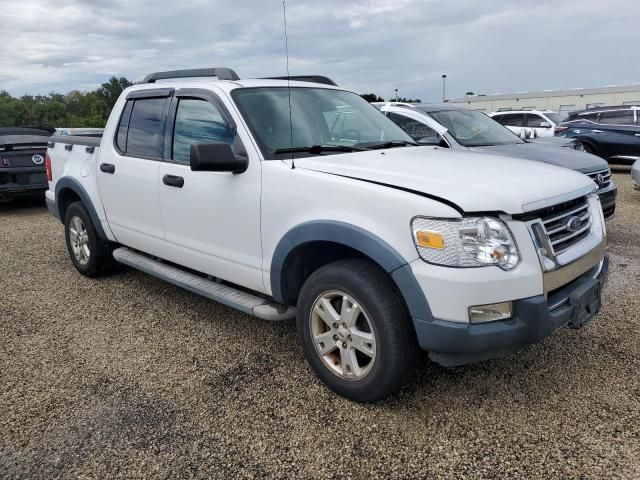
{"x":453,"y":343}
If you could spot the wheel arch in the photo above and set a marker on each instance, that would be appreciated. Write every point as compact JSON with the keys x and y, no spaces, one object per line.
{"x":591,"y":143}
{"x":311,"y":245}
{"x":69,"y":190}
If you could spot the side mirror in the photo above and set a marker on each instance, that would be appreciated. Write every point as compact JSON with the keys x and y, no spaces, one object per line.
{"x":544,"y":125}
{"x":216,"y":157}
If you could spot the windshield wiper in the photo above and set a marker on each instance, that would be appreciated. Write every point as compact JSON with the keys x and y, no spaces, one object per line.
{"x":318,"y":149}
{"x":390,"y":144}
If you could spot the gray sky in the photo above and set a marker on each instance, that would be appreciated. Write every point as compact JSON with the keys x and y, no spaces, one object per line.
{"x":486,"y":46}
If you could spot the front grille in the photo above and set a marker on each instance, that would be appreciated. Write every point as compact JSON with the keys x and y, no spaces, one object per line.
{"x":565,"y":224}
{"x":601,"y":177}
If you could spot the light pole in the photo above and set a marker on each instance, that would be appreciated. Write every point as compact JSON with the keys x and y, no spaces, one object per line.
{"x":444,"y":87}
{"x":396,"y":90}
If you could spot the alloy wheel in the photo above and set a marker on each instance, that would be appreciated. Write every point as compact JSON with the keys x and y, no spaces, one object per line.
{"x":342,"y":335}
{"x":79,"y":240}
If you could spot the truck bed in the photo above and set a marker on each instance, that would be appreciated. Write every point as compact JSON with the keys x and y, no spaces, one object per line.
{"x":75,"y":140}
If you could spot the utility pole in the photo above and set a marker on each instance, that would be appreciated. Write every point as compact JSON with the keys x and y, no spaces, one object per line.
{"x":396,"y":94}
{"x":444,"y":88}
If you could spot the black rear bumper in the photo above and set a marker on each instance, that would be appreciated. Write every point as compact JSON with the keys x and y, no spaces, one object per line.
{"x":22,"y":182}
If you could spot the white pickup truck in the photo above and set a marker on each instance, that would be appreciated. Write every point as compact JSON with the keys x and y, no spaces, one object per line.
{"x":292,"y":198}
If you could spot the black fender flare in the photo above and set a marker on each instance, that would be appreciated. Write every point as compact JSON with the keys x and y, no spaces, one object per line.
{"x":359,"y":239}
{"x":69,"y":183}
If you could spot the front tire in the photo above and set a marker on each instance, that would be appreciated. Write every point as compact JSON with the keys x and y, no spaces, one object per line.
{"x":91,"y":255}
{"x":355,"y":330}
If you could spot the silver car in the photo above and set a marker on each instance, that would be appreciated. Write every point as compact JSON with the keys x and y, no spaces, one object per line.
{"x":458,"y":128}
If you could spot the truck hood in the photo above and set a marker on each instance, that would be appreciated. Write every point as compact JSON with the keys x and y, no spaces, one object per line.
{"x":472,"y":182}
{"x":540,"y":152}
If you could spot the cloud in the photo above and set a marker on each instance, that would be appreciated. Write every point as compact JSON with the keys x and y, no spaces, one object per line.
{"x":376,"y":46}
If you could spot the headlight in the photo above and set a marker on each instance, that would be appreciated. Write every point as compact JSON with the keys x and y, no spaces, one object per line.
{"x":468,"y":242}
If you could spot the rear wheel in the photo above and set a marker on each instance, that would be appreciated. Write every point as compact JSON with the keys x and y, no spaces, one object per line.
{"x":90,"y":255}
{"x":355,"y":330}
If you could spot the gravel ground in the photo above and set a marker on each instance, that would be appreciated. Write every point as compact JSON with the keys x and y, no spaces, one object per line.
{"x":128,"y":377}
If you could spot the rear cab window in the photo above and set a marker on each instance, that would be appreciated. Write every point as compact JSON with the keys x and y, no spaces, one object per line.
{"x":123,"y":126}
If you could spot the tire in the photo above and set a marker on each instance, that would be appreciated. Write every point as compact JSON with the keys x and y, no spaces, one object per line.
{"x":91,"y":255}
{"x":382,"y":317}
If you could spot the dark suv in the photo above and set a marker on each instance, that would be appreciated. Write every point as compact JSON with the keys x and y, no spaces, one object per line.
{"x":612,"y":133}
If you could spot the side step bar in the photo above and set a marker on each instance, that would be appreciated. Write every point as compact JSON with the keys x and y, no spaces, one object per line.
{"x":232,"y":297}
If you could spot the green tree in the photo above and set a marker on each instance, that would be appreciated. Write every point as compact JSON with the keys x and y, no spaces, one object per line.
{"x":110,"y":91}
{"x":372,"y":97}
{"x":74,"y":109}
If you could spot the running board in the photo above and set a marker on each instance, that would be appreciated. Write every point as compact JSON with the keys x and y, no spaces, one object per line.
{"x":232,"y":297}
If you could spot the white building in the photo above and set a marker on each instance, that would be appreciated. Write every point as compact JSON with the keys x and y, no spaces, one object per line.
{"x":559,"y":100}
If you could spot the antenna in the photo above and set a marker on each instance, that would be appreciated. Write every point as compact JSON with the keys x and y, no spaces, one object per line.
{"x":286,"y":53}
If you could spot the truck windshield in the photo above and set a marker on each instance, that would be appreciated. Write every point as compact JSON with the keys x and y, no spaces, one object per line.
{"x":321,"y":117}
{"x":474,"y":129}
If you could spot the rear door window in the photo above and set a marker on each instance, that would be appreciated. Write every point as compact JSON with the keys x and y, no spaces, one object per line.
{"x":513,"y":120}
{"x":617,"y":117}
{"x":145,"y":128}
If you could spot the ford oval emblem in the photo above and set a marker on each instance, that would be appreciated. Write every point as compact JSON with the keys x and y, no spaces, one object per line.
{"x":37,"y":159}
{"x":574,"y":224}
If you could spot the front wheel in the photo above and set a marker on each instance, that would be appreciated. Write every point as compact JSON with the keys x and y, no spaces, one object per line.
{"x":91,"y":255}
{"x":355,"y":330}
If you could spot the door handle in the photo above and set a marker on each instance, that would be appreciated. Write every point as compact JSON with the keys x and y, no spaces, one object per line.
{"x":636,"y":134}
{"x":108,"y":168}
{"x":173,"y":181}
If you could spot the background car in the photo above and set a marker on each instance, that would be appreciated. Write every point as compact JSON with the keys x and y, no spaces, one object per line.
{"x":612,"y":133}
{"x":22,"y":162}
{"x":80,"y":132}
{"x":529,"y":123}
{"x":459,"y":128}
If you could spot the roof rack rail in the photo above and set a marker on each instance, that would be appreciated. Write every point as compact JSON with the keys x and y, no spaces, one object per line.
{"x":222,"y":73}
{"x":305,"y":78}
